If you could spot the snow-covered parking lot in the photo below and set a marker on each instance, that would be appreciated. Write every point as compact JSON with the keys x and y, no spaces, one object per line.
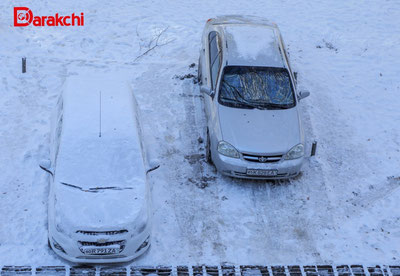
{"x":342,"y":209}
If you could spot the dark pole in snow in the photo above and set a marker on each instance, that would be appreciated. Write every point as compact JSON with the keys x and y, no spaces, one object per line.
{"x":24,"y":65}
{"x":314,"y":148}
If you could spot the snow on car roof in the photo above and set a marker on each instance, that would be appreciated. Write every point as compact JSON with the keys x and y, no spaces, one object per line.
{"x":241,"y":19}
{"x":100,"y":144}
{"x":98,"y":104}
{"x":252,"y":45}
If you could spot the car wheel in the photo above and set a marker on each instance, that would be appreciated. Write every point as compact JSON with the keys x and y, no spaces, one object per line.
{"x":208,"y":149}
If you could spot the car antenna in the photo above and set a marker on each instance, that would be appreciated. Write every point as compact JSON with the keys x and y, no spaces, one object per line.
{"x":100,"y":117}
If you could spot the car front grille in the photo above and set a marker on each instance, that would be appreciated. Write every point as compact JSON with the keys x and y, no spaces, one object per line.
{"x":87,"y":243}
{"x":97,"y":233}
{"x":261,"y":158}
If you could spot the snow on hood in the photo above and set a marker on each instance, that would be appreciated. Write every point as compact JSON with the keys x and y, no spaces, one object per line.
{"x":105,"y":209}
{"x":260,"y":131}
{"x":99,"y":183}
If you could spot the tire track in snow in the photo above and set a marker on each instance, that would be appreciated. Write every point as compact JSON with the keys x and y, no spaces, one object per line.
{"x":282,"y":215}
{"x":173,"y":114}
{"x":202,"y":202}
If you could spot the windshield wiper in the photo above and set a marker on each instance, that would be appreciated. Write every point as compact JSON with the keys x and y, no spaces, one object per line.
{"x":250,"y":105}
{"x":266,"y":105}
{"x":95,"y":189}
{"x":241,"y":102}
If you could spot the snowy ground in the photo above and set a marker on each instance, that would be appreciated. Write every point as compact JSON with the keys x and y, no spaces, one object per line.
{"x":343,"y":209}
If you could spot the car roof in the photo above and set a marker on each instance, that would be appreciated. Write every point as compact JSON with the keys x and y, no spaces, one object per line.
{"x":250,"y":41}
{"x":94,"y":105}
{"x":241,"y":19}
{"x":252,"y":45}
{"x":99,"y":135}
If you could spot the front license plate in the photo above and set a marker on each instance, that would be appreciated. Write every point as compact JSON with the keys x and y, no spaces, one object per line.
{"x":255,"y":172}
{"x":100,"y":250}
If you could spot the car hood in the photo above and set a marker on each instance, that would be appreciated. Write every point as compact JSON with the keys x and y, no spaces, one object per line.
{"x":260,"y":131}
{"x":95,"y":209}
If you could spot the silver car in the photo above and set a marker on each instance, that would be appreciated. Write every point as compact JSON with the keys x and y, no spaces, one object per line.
{"x":251,"y":102}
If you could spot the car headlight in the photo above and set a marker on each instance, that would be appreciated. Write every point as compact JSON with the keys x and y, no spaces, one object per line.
{"x":227,"y":149}
{"x":295,"y":152}
{"x":58,"y":246}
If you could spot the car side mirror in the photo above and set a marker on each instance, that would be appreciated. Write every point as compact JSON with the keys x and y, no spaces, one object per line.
{"x":154,"y":164}
{"x":45,"y":165}
{"x":207,"y":90}
{"x":303,"y":94}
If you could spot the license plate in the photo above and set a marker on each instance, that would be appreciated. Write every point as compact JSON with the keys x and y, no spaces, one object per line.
{"x":100,"y":250}
{"x":257,"y":172}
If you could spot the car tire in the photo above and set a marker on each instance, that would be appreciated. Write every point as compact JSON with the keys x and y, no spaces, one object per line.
{"x":208,"y":149}
{"x":199,"y":72}
{"x":48,"y":243}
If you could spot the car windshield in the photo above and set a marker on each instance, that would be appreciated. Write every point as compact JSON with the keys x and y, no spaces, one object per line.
{"x":98,"y":164}
{"x":256,"y":87}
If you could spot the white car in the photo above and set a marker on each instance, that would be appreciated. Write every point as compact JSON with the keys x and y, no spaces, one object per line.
{"x":251,"y":100}
{"x":99,"y":199}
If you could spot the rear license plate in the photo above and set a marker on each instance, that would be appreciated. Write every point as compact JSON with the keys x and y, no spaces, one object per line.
{"x":256,"y":172}
{"x":100,"y":250}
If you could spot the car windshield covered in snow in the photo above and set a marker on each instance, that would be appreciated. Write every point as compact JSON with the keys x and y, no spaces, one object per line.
{"x":256,"y":87}
{"x":101,"y":163}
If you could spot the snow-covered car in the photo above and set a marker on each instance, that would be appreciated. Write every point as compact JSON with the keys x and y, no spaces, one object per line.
{"x":100,"y":194}
{"x":251,"y":101}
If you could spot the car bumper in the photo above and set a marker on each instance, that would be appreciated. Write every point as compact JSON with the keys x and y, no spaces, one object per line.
{"x":134,"y":247}
{"x":237,"y":167}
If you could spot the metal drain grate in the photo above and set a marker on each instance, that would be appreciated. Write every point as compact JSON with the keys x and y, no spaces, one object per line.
{"x":204,"y":270}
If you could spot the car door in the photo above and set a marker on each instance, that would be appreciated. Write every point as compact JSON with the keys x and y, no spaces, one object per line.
{"x":54,"y":148}
{"x":214,"y":56}
{"x":56,"y":133}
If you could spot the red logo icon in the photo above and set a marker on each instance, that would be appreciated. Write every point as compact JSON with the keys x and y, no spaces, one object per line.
{"x":23,"y":17}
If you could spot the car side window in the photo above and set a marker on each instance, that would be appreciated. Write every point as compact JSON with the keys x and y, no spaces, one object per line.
{"x":215,"y":57}
{"x":58,"y":136}
{"x":58,"y":128}
{"x":286,"y":55}
{"x":213,"y":48}
{"x":287,"y":58}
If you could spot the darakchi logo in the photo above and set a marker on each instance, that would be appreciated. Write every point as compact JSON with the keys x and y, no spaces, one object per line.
{"x":23,"y":17}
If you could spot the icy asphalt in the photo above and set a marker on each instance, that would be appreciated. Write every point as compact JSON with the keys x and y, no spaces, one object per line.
{"x":344,"y":207}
